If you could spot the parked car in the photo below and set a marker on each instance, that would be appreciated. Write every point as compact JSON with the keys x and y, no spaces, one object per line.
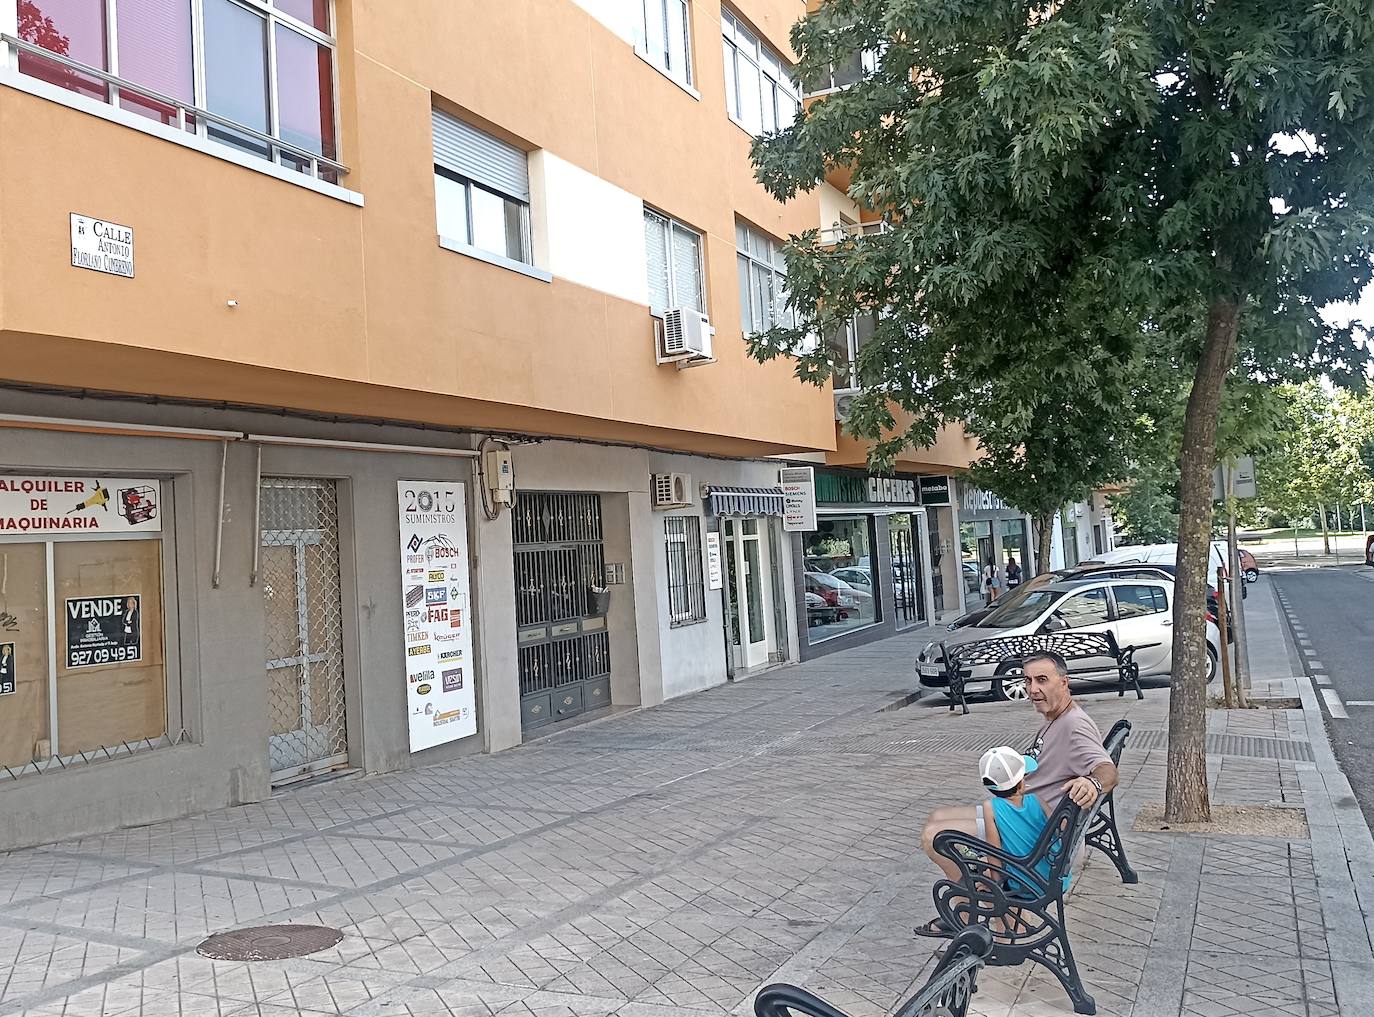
{"x":847,"y":598}
{"x":1249,"y":568}
{"x":1137,"y":611}
{"x":859,"y":578}
{"x":973,"y":577}
{"x":1369,"y":550}
{"x":819,"y":611}
{"x":975,"y":616}
{"x":1166,"y":554}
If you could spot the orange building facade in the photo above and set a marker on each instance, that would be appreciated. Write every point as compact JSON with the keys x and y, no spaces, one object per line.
{"x":309,"y":305}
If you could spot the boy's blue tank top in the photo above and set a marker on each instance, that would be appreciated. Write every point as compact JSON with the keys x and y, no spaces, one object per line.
{"x":1020,"y":829}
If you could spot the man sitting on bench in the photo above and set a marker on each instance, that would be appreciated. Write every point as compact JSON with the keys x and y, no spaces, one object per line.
{"x":1070,"y":761}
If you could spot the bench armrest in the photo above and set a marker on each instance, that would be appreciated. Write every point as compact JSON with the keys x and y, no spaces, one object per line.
{"x":982,"y":865}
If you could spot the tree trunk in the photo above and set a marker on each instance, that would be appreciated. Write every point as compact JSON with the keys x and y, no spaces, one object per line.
{"x":1326,"y":533}
{"x":1044,"y":539}
{"x":1185,"y":797}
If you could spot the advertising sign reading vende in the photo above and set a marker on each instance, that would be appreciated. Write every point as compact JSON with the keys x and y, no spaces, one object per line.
{"x":79,"y":504}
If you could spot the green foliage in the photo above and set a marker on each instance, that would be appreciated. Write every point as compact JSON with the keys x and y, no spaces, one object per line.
{"x":1316,"y":457}
{"x":1069,"y":187}
{"x":1146,"y":512}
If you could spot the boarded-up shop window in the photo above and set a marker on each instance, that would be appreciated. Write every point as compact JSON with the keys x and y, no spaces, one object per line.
{"x":111,"y":675}
{"x":23,"y":654}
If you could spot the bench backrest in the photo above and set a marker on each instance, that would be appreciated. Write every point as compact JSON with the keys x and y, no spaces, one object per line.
{"x":1069,"y":645}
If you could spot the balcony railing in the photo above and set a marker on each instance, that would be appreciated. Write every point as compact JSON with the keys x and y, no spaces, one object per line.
{"x":185,"y":116}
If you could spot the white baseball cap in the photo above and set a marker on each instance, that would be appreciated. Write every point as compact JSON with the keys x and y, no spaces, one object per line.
{"x":1003,"y":768}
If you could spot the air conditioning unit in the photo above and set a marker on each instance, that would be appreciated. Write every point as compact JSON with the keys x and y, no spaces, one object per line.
{"x":685,"y":338}
{"x":843,"y":401}
{"x":672,"y":490}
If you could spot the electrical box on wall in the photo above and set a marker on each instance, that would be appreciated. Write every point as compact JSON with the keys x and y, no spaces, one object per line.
{"x":499,"y":470}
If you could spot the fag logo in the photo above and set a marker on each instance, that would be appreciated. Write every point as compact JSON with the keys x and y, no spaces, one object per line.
{"x":438,"y":614}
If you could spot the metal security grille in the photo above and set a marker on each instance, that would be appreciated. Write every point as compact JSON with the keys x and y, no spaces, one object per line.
{"x":560,"y":606}
{"x":302,"y":598}
{"x":907,"y":586}
{"x":686,"y":590}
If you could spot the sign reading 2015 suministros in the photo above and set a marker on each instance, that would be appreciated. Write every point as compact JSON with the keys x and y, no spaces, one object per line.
{"x":102,"y":246}
{"x":440,"y":700}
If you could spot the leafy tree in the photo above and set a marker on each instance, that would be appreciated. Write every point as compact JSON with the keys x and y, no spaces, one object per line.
{"x":1042,"y":448}
{"x":1117,"y":171}
{"x":1315,"y":462}
{"x":1146,"y":512}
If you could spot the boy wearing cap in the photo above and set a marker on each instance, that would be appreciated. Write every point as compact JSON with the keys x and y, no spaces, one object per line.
{"x":1070,"y":761}
{"x":1017,"y":817}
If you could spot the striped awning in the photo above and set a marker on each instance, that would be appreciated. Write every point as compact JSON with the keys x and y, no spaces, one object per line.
{"x":744,"y":501}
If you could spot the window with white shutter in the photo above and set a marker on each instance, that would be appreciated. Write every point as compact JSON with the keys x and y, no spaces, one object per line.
{"x":481,"y":189}
{"x":673,"y":256}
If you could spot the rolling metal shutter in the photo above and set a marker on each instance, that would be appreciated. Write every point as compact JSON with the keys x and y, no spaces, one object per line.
{"x":479,"y":157}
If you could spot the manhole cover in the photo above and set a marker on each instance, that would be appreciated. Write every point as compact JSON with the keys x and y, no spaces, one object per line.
{"x":269,"y":942}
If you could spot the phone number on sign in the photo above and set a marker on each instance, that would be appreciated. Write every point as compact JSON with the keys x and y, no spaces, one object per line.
{"x":104,"y":655}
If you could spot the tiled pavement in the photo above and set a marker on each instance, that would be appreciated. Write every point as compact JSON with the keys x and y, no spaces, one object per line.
{"x":667,"y":863}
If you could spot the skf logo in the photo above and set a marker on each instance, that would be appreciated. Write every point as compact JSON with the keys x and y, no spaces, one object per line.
{"x":435,"y":595}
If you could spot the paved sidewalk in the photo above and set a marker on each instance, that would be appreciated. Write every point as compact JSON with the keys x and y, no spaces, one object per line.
{"x":669,"y":862}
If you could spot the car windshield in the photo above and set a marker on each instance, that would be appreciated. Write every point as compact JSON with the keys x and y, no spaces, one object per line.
{"x":1013,"y":615}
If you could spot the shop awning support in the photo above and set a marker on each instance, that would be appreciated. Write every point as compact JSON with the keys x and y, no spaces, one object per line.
{"x":257,"y":519}
{"x":219,"y":515}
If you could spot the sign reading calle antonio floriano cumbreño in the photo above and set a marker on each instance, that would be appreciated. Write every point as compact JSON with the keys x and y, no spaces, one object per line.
{"x":102,"y":246}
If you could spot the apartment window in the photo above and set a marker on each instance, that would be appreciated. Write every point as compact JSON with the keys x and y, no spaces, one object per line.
{"x":853,"y":68}
{"x":481,"y":190}
{"x":668,"y":37}
{"x":762,"y":281}
{"x":759,"y":90}
{"x":843,"y":343}
{"x":254,"y":74}
{"x":686,"y":588}
{"x":673,"y":252}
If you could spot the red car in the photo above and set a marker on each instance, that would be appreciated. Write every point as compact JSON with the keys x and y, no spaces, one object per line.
{"x":1249,"y":568}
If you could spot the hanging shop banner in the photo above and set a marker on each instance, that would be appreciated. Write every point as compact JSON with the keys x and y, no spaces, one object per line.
{"x":72,"y":504}
{"x":440,"y":699}
{"x":7,"y":676}
{"x":714,"y":579}
{"x":798,"y":485}
{"x":103,"y":630}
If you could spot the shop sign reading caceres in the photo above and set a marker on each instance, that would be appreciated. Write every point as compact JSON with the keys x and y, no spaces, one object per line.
{"x":78,"y":504}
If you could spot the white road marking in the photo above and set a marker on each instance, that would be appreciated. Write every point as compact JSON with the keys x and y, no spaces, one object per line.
{"x":1334,"y":704}
{"x":1315,"y":665}
{"x":1321,"y":679}
{"x":1359,"y":702}
{"x":1309,"y":651}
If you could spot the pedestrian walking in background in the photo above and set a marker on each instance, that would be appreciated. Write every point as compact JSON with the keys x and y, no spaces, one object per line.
{"x":991,"y":582}
{"x":1013,"y":572}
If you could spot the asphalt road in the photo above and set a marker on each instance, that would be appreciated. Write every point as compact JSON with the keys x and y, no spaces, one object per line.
{"x":1331,"y":613}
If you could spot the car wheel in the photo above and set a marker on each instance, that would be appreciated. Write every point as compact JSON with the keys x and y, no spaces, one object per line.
{"x":1211,"y":664}
{"x":1010,"y":685}
{"x":1252,"y":575}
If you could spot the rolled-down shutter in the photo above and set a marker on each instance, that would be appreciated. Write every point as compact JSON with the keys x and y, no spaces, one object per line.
{"x":475,"y":154}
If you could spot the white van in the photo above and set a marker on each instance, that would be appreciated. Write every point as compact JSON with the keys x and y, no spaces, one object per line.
{"x":1160,"y":554}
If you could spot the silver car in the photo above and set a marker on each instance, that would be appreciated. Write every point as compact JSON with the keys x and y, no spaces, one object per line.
{"x":1138,"y":612}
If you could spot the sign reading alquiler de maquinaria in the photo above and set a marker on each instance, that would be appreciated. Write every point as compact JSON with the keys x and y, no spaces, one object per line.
{"x":102,"y":246}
